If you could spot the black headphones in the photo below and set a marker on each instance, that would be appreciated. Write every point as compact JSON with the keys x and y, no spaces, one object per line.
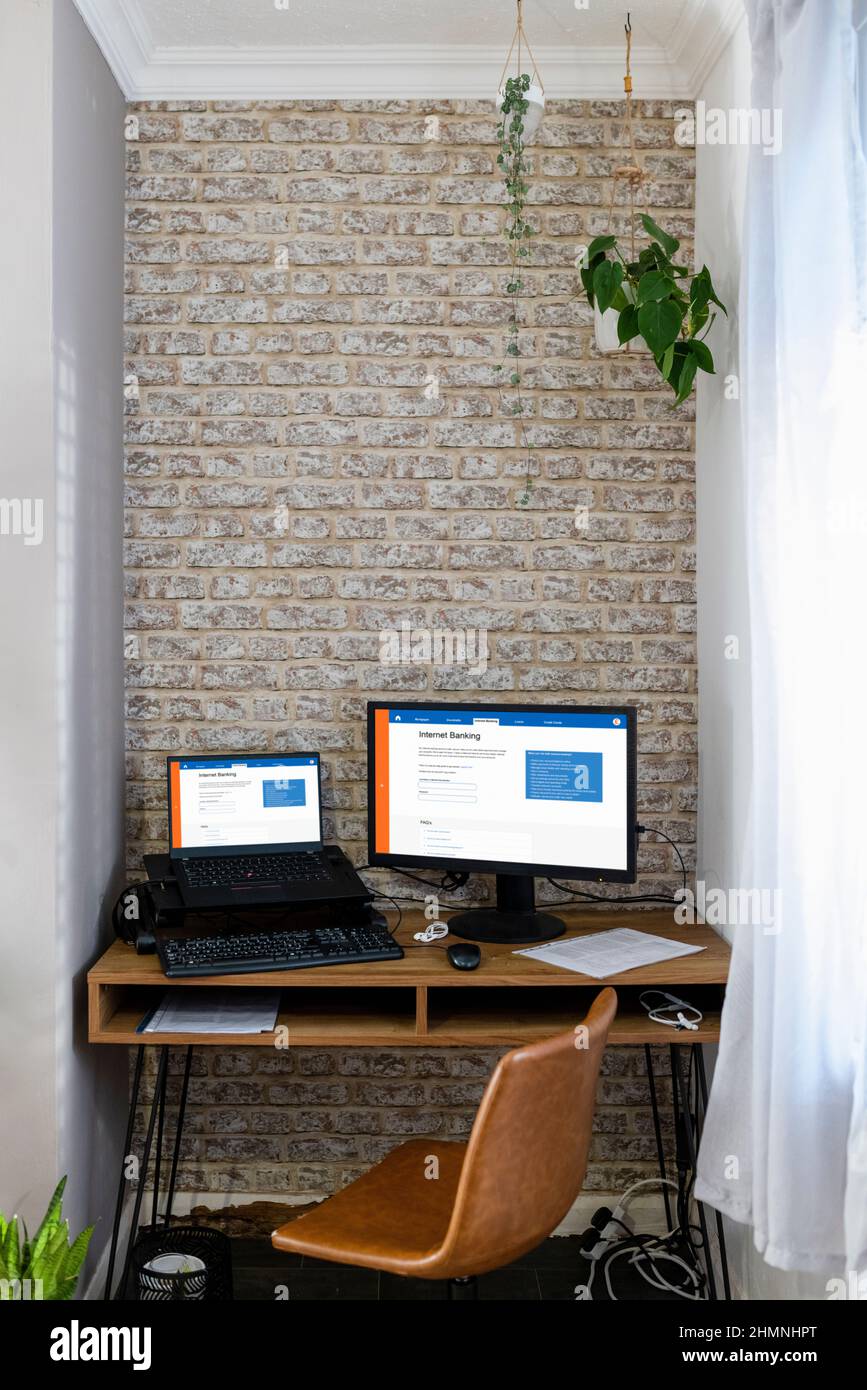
{"x":134,"y":915}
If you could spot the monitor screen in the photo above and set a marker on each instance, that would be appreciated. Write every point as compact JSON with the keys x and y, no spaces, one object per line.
{"x":227,"y":805}
{"x":512,"y":788}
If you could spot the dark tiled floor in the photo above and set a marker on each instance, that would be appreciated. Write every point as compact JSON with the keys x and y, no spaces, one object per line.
{"x":260,"y":1272}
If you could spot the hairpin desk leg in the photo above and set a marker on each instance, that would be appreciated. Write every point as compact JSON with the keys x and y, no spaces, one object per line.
{"x":121,"y":1185}
{"x":158,"y":1153}
{"x":689,"y":1131}
{"x":158,"y":1101}
{"x":657,"y":1129}
{"x":179,"y":1130}
{"x":720,"y":1233}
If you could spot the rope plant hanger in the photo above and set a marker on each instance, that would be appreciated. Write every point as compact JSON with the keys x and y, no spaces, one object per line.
{"x":521,"y":42}
{"x":648,"y":302}
{"x":631,"y":173}
{"x":521,"y":104}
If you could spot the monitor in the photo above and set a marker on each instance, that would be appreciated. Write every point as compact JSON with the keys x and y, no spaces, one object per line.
{"x":244,"y":805}
{"x":520,"y":791}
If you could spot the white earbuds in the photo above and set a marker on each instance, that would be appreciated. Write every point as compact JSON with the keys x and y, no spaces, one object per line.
{"x":662,"y":1013}
{"x":432,"y":932}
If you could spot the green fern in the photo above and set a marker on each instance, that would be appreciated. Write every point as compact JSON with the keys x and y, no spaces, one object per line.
{"x":48,"y":1260}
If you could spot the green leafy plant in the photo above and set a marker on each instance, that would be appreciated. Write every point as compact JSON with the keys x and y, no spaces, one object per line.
{"x":656,"y":300}
{"x":512,"y":162}
{"x":47,"y":1266}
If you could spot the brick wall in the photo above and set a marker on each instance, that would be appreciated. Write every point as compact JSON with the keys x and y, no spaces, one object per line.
{"x":318,"y":449}
{"x":302,"y":1122}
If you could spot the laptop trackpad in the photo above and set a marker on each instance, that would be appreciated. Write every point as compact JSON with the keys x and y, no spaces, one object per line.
{"x":263,"y":892}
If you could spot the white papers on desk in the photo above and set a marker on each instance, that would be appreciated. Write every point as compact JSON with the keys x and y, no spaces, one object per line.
{"x":215,"y":1011}
{"x":609,"y":952}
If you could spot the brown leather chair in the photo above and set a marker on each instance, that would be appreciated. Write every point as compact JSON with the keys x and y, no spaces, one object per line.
{"x":494,"y":1198}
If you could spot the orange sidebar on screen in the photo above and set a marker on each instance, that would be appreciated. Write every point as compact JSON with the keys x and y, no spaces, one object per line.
{"x":175,"y":794}
{"x":380,"y":774}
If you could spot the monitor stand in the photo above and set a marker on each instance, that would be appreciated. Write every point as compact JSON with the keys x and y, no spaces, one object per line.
{"x":513,"y":922}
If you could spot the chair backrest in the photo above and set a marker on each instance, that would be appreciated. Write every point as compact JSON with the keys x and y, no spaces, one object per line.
{"x":527,"y":1153}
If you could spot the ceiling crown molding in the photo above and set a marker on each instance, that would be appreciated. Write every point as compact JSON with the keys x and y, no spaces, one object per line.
{"x":149,"y":72}
{"x":701,"y":42}
{"x":393,"y":70}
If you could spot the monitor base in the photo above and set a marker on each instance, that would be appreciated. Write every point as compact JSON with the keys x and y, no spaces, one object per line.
{"x":505,"y":928}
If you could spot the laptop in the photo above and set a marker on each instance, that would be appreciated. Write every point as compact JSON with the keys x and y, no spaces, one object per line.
{"x":246,"y":831}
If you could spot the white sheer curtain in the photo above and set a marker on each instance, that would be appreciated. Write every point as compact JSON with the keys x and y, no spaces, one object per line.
{"x":785,"y":1145}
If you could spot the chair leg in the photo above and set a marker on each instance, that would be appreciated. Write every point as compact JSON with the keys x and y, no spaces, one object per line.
{"x":464,"y":1288}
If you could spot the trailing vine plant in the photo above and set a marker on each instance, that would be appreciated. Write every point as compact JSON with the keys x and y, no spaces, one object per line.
{"x":511,"y":161}
{"x":656,"y":300}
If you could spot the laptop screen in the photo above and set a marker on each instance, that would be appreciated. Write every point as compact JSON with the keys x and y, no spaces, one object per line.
{"x":239,"y":805}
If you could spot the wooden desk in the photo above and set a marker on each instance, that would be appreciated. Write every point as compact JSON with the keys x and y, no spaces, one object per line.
{"x":422,"y":1000}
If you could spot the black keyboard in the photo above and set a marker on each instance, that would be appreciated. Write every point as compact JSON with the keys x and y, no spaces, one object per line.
{"x":237,"y":953}
{"x":306,"y":867}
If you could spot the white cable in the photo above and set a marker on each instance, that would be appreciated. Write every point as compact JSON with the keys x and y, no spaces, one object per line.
{"x":620,"y":1210}
{"x":651,"y":1252}
{"x":660,"y":1282}
{"x":432,"y":932}
{"x":645,"y":1254}
{"x":654,"y":1250}
{"x":658,"y":1014}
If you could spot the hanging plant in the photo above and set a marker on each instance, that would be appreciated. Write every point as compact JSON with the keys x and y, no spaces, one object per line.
{"x":511,"y":161}
{"x":653,"y":302}
{"x":657,"y":301}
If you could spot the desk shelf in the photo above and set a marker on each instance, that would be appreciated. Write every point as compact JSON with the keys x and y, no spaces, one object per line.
{"x":421,"y":1000}
{"x":518,"y":1014}
{"x":315,"y":1017}
{"x":403,"y":1018}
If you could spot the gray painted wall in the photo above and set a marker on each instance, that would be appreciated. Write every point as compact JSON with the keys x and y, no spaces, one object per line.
{"x":87,"y":277}
{"x":28,"y":694}
{"x":61,"y":695}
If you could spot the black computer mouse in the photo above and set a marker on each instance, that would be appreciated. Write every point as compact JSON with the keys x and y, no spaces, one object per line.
{"x":464,"y":955}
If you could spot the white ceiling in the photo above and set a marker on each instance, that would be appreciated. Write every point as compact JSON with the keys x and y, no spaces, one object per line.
{"x":165,"y":49}
{"x":259,"y":23}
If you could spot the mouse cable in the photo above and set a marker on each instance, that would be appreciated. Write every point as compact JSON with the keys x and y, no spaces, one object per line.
{"x":389,"y":898}
{"x":451,"y":879}
{"x":401,"y":897}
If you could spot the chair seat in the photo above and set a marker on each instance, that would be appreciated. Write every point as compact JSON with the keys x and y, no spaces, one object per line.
{"x":489,"y":1201}
{"x":392,"y":1218}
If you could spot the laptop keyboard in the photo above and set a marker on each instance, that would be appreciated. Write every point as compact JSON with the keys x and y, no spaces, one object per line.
{"x":304,"y":867}
{"x":236,"y":953}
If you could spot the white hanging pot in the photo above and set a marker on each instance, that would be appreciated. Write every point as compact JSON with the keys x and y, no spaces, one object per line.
{"x":606,"y":333}
{"x":535,"y":98}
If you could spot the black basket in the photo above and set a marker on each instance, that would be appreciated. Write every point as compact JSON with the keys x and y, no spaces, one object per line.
{"x":211,"y":1284}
